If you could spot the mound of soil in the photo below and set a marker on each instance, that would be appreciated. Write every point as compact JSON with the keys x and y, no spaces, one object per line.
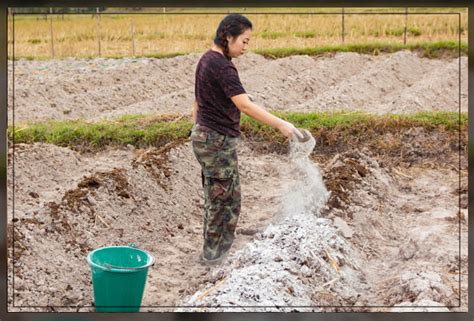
{"x":107,"y":88}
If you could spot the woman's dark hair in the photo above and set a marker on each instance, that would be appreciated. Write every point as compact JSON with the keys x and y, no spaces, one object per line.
{"x":232,"y":25}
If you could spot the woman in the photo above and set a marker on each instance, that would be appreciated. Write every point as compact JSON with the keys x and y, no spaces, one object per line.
{"x":220,"y":99}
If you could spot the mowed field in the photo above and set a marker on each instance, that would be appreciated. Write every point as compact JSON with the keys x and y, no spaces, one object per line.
{"x":165,"y":31}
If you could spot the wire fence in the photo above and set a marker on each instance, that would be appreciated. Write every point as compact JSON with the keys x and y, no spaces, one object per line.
{"x":99,"y":33}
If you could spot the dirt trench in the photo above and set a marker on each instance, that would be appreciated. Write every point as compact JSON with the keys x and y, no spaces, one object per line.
{"x":371,"y":251}
{"x":371,"y":245}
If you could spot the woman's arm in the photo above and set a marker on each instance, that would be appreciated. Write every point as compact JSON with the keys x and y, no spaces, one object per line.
{"x":246,"y":106}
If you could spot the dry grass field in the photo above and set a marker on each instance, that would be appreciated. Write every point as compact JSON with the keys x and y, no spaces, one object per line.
{"x":172,"y":31}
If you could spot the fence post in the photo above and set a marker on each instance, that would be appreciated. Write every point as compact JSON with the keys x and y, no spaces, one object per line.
{"x":98,"y":28}
{"x":405,"y":32}
{"x":10,"y":35}
{"x":10,"y":20}
{"x":133,"y":38}
{"x":343,"y":25}
{"x":51,"y":30}
{"x":315,"y":36}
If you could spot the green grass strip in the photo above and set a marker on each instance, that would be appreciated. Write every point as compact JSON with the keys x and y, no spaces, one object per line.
{"x":357,"y":121}
{"x":429,"y":49}
{"x":156,"y":130}
{"x":124,"y":131}
{"x":312,"y":121}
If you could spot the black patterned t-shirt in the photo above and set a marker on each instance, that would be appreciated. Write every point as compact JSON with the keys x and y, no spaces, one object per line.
{"x":217,"y":80}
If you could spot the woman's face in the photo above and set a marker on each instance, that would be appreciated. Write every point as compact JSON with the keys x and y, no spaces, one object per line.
{"x":238,"y":45}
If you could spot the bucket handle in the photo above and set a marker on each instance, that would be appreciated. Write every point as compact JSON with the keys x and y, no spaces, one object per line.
{"x":109,"y":267}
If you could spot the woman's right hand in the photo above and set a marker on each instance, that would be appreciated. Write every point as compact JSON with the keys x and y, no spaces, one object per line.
{"x":289,"y":130}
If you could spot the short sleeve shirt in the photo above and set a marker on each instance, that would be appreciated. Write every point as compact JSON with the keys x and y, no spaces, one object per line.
{"x":217,"y":80}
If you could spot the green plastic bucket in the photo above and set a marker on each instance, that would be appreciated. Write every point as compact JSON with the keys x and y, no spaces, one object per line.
{"x":118,"y":277}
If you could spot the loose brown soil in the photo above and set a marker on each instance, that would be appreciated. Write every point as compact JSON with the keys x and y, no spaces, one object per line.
{"x":391,"y":232}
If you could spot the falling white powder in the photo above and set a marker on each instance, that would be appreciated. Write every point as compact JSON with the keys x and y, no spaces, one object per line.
{"x":306,"y":193}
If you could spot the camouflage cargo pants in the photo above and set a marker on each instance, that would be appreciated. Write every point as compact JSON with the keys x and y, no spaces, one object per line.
{"x":217,"y":155}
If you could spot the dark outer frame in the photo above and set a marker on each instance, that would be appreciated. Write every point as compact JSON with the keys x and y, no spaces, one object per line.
{"x":208,"y":3}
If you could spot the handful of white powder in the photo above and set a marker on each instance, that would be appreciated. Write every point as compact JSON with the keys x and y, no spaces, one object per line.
{"x":302,"y":147}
